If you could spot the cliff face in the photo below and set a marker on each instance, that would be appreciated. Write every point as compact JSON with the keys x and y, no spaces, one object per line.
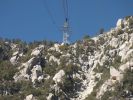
{"x":98,"y":68}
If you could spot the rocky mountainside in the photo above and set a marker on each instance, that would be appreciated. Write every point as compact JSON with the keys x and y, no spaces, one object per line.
{"x":98,"y":68}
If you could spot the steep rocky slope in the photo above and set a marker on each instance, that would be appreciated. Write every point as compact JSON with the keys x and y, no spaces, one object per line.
{"x":98,"y":68}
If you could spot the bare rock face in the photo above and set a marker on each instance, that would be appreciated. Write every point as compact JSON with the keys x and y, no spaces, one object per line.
{"x":58,"y":77}
{"x":115,"y":74}
{"x":114,"y":42}
{"x":32,"y":68}
{"x":120,"y":23}
{"x":50,"y":96}
{"x":24,"y":72}
{"x":95,"y":67}
{"x":37,"y":50}
{"x":36,"y":73}
{"x":13,"y":60}
{"x":30,"y":97}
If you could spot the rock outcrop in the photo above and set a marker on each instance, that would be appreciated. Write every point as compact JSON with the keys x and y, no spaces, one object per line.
{"x":89,"y":69}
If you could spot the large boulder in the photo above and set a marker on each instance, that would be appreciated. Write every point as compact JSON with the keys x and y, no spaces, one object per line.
{"x":49,"y":97}
{"x":115,"y":74}
{"x":30,"y":97}
{"x":58,"y":77}
{"x":120,"y":23}
{"x":37,"y":50}
{"x":114,"y":42}
{"x":30,"y":70}
{"x":36,"y":73}
{"x":13,"y":60}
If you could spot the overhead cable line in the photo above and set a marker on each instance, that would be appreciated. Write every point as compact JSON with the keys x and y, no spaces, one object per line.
{"x":65,"y":8}
{"x":50,"y":14}
{"x":66,"y":27}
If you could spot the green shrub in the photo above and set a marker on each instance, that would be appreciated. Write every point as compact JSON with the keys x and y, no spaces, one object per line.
{"x":64,"y":48}
{"x":79,"y":50}
{"x":130,"y":21}
{"x":106,"y":95}
{"x":117,"y":61}
{"x":101,"y":41}
{"x":92,"y":96}
{"x":7,"y":70}
{"x":50,"y":68}
{"x":55,"y":53}
{"x":5,"y":52}
{"x":125,"y":84}
{"x":9,"y":86}
{"x":71,"y":69}
{"x":119,"y":31}
{"x":86,"y":37}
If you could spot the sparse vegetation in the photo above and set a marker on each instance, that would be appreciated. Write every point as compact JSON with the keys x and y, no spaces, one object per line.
{"x":117,"y":61}
{"x":84,"y":64}
{"x":64,"y":48}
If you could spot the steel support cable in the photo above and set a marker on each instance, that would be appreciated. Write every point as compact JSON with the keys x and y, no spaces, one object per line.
{"x":66,"y":12}
{"x":50,"y":14}
{"x":65,"y":8}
